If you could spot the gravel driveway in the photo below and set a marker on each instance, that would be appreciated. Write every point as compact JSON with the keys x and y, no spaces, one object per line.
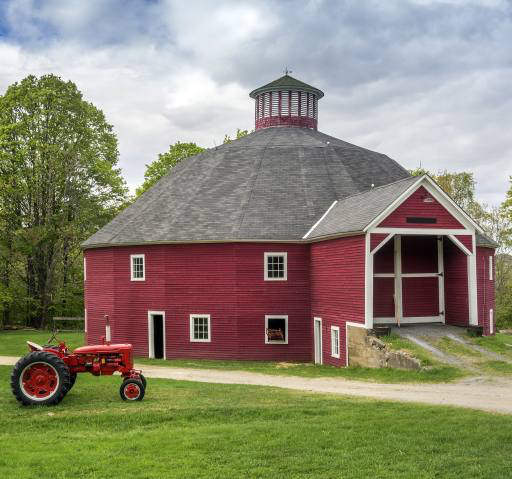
{"x":487,"y":394}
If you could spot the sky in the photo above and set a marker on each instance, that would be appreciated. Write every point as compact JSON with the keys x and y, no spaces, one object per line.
{"x":426,"y":82}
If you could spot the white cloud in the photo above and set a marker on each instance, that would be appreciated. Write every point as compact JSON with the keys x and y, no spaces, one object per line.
{"x":420,"y":81}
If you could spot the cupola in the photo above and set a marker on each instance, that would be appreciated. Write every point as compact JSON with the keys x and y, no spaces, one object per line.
{"x":286,"y":102}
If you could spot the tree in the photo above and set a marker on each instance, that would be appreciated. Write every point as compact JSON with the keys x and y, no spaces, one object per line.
{"x":460,"y":186}
{"x":161,"y":166}
{"x":239,"y":134}
{"x":58,"y":184}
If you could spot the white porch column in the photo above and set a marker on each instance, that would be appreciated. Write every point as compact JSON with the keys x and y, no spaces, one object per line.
{"x":368,"y":284}
{"x":472,"y":289}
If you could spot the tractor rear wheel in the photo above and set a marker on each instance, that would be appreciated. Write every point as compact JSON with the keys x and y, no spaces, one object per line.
{"x":40,"y":378}
{"x":72,"y":380}
{"x":132,"y":390}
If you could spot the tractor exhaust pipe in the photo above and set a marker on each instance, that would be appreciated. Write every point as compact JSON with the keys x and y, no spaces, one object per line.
{"x":107,"y":329}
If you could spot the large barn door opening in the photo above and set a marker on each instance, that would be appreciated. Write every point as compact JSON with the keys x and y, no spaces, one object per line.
{"x":409,"y":280}
{"x":156,"y":334}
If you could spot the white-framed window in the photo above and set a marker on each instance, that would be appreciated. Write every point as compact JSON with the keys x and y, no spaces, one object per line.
{"x":200,"y":328}
{"x":491,"y":321}
{"x":138,"y":267}
{"x":276,"y":329}
{"x":335,"y":341}
{"x":491,"y":272}
{"x":85,"y":270}
{"x":276,"y":266}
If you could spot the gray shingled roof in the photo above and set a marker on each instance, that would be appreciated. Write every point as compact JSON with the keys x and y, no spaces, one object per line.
{"x":354,"y":213}
{"x":484,"y":240}
{"x":286,"y":82}
{"x":273,"y":184}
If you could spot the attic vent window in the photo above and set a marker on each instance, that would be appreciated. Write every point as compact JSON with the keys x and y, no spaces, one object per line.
{"x":275,"y":266}
{"x":421,"y":220}
{"x":276,"y":329}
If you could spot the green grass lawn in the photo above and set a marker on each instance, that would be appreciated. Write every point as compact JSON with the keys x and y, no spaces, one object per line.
{"x":198,"y":430}
{"x":499,"y":343}
{"x":13,"y":343}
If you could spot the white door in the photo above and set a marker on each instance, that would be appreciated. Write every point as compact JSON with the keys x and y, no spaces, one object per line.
{"x":317,"y":328}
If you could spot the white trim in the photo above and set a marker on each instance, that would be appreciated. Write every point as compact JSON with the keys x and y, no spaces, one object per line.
{"x":276,"y":316}
{"x":406,"y":275}
{"x":472,"y":286}
{"x":382,"y":243}
{"x":320,"y":220}
{"x":197,"y":316}
{"x":85,"y":320}
{"x":85,"y":269}
{"x":132,"y":257}
{"x":368,"y":284}
{"x":440,"y":267}
{"x":151,"y":329}
{"x":491,"y":321}
{"x":430,"y":185}
{"x":397,"y":250}
{"x":422,"y":231}
{"x":459,"y":244}
{"x":319,"y":342}
{"x":491,"y":269}
{"x":334,"y":346}
{"x":410,"y":320}
{"x":265,"y":265}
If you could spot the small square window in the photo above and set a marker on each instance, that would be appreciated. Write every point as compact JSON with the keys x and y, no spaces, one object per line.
{"x":200,"y":328}
{"x":335,"y":342}
{"x":137,"y":267}
{"x":276,"y":329}
{"x":276,"y":266}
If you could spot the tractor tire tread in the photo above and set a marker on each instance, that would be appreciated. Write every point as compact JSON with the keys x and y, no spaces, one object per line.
{"x":35,"y":357}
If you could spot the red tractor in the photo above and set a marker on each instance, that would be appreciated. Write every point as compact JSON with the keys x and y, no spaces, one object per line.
{"x":47,"y":373}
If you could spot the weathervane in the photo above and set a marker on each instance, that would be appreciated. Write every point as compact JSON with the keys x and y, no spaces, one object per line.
{"x":286,"y":71}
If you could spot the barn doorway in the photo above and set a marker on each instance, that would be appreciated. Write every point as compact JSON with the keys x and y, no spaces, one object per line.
{"x":156,"y":334}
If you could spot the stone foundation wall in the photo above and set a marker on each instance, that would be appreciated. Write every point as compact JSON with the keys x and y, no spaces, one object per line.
{"x":368,"y":351}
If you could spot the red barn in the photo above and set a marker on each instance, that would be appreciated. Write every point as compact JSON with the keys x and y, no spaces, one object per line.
{"x":269,"y":246}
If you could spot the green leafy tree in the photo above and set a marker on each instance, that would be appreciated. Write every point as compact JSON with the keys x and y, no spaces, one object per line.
{"x":160,"y":167}
{"x":58,"y":184}
{"x":239,"y":134}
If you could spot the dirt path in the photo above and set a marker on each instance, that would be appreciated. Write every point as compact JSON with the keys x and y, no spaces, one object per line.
{"x":487,"y":394}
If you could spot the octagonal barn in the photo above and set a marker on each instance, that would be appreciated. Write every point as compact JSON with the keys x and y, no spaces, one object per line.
{"x":272,"y":246}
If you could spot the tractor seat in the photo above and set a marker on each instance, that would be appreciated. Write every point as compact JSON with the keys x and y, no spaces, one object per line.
{"x":36,"y":346}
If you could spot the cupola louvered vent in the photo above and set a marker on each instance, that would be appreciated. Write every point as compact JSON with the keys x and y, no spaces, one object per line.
{"x":286,"y":102}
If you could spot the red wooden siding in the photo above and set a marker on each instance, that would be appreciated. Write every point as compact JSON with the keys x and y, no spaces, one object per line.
{"x":376,"y":239}
{"x":383,"y":298}
{"x":223,"y":280}
{"x":485,"y":288}
{"x":420,"y":297}
{"x":466,"y":240}
{"x":419,"y":254}
{"x":415,"y":206}
{"x":383,"y":261}
{"x":337,"y":288}
{"x":455,"y":285}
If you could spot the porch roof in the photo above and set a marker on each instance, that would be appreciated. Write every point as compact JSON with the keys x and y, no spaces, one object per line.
{"x":354,"y":213}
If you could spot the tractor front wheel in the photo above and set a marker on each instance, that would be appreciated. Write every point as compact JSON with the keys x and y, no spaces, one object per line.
{"x":144,"y":382}
{"x":132,"y":390}
{"x":40,"y":378}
